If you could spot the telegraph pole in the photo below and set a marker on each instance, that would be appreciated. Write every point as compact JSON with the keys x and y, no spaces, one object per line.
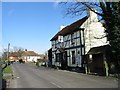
{"x":8,"y":52}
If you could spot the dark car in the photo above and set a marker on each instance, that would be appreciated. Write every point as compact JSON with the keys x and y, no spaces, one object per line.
{"x":45,"y":63}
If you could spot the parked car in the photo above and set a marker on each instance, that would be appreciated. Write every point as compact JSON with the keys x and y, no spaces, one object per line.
{"x":45,"y":63}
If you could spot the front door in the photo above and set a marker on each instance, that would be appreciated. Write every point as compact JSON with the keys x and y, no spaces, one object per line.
{"x":64,"y":60}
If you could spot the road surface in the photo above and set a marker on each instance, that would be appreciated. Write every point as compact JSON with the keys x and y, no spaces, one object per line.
{"x":29,"y":76}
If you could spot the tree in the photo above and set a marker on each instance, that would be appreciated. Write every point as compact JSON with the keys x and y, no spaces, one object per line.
{"x":17,"y":51}
{"x":20,"y":52}
{"x":4,"y":54}
{"x":108,"y":12}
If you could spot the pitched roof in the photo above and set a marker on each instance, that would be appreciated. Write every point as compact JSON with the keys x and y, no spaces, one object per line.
{"x":29,"y":53}
{"x":13,"y":54}
{"x":70,"y":28}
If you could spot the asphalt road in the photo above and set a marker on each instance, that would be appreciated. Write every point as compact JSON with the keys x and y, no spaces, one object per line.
{"x":29,"y":76}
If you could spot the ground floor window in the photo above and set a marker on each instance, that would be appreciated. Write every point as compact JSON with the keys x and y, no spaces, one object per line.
{"x":73,"y":57}
{"x":57,"y":57}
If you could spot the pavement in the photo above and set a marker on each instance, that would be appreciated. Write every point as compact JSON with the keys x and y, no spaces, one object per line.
{"x":30,"y":76}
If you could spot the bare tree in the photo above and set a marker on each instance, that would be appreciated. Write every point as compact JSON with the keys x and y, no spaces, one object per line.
{"x":4,"y":54}
{"x":104,"y":10}
{"x":18,"y":51}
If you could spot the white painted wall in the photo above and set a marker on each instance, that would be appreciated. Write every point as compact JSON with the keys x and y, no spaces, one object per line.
{"x":31,"y":58}
{"x":93,"y":29}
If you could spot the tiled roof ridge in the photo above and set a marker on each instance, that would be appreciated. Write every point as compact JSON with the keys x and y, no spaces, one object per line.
{"x":72,"y":26}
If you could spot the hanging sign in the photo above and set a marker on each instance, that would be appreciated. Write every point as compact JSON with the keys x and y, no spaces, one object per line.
{"x":60,"y":38}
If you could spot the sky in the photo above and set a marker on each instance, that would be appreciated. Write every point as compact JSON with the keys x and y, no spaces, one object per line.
{"x":0,"y":29}
{"x":31,"y":25}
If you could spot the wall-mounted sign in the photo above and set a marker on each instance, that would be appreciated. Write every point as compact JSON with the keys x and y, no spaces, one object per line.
{"x":60,"y":38}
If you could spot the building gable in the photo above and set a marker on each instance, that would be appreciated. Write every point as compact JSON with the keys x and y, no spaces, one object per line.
{"x":70,"y":28}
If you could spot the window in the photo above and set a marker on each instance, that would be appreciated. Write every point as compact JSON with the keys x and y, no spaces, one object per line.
{"x":72,"y":38}
{"x":72,"y":35}
{"x":82,"y":37}
{"x":78,"y":34}
{"x":78,"y":41}
{"x":57,"y":57}
{"x":52,"y":55}
{"x":73,"y":57}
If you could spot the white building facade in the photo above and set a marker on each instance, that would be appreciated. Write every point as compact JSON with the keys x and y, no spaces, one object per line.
{"x":30,"y":56}
{"x":78,"y":39}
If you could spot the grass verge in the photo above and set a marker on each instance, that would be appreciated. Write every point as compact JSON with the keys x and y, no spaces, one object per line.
{"x":7,"y":70}
{"x":7,"y":77}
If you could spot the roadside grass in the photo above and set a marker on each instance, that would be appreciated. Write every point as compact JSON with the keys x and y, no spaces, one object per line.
{"x":7,"y":77}
{"x":31,"y":63}
{"x":7,"y":70}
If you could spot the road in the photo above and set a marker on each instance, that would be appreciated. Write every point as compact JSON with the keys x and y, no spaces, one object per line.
{"x":29,"y":76}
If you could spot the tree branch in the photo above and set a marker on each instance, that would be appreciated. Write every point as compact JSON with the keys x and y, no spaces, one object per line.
{"x":88,"y":6}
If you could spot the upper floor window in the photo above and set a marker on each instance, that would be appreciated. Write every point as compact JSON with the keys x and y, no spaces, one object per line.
{"x":72,"y":35}
{"x":72,"y":38}
{"x":82,"y":37}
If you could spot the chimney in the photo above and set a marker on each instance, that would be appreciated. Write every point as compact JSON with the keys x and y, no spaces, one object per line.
{"x":61,"y":27}
{"x":93,"y":16}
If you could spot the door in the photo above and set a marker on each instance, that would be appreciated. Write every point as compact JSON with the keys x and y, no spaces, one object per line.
{"x":64,"y":60}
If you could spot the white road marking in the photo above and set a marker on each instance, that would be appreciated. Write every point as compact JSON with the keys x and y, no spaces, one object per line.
{"x":56,"y":84}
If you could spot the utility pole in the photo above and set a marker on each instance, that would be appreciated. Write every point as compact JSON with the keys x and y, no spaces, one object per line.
{"x":8,"y":52}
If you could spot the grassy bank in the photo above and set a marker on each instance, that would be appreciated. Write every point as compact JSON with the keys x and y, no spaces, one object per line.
{"x":7,"y":70}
